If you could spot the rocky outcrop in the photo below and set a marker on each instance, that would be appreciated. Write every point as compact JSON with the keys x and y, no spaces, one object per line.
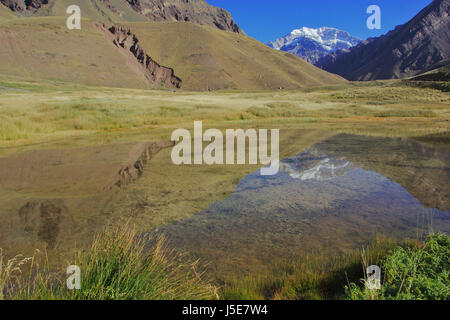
{"x":140,"y":61}
{"x":24,"y":5}
{"x":408,"y":50}
{"x":196,"y":11}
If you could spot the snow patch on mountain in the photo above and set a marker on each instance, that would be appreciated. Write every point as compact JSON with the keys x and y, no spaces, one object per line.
{"x":313,"y":44}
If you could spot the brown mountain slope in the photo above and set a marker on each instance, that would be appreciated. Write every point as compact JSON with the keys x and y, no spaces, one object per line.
{"x":208,"y":59}
{"x":169,"y":53}
{"x":5,"y":13}
{"x":197,"y":11}
{"x":128,"y":44}
{"x":408,"y":50}
{"x":114,"y":11}
{"x":42,"y":48}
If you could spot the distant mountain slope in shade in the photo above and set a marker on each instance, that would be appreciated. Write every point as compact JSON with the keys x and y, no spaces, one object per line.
{"x":202,"y":57}
{"x":117,"y":11}
{"x":313,"y":44}
{"x":440,"y":73}
{"x":406,"y":51}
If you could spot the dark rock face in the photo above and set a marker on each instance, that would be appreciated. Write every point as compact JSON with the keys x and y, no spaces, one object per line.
{"x":15,"y":5}
{"x":407,"y":50}
{"x":24,"y":5}
{"x":123,"y":38}
{"x":196,"y":11}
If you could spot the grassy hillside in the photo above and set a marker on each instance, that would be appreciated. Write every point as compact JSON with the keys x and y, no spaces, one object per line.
{"x":209,"y":59}
{"x":438,"y":74}
{"x":6,"y":14}
{"x":42,"y":48}
{"x":437,"y":77}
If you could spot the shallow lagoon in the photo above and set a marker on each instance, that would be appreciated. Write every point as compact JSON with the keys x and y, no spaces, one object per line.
{"x":335,"y":196}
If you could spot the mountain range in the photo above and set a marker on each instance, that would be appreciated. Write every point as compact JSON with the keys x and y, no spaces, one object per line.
{"x":313,"y":44}
{"x":408,"y":50}
{"x":192,"y":45}
{"x":178,"y":44}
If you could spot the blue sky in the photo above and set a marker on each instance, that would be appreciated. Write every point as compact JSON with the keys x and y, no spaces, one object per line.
{"x":267,"y":20}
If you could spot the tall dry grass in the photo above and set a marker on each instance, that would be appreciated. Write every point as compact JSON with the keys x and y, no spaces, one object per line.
{"x":11,"y":272}
{"x":119,"y":265}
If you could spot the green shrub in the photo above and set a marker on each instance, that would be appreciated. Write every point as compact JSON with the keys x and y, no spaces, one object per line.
{"x":412,"y":273}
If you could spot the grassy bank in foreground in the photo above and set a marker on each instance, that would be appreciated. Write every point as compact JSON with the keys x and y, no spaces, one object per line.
{"x":316,"y":276}
{"x":410,"y":271}
{"x":118,"y":267}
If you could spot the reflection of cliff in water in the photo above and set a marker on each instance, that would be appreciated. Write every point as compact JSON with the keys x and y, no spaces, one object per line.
{"x":422,"y":170}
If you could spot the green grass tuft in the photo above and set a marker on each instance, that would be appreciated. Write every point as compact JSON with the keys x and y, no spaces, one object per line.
{"x":314,"y":277}
{"x":117,"y":266}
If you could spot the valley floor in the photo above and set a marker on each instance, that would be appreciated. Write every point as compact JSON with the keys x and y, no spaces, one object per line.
{"x":65,"y":141}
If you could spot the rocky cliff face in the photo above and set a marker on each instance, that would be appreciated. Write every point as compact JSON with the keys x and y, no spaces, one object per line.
{"x":24,"y":5}
{"x":139,"y":60}
{"x":408,"y":50}
{"x":197,"y":11}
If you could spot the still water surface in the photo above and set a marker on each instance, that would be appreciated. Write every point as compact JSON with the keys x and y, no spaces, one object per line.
{"x":336,"y":196}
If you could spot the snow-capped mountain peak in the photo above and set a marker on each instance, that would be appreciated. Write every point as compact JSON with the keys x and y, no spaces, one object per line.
{"x":313,"y":44}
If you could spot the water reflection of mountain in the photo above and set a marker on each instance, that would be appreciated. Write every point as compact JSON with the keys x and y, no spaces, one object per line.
{"x":422,"y":170}
{"x":337,"y":195}
{"x":306,"y":166}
